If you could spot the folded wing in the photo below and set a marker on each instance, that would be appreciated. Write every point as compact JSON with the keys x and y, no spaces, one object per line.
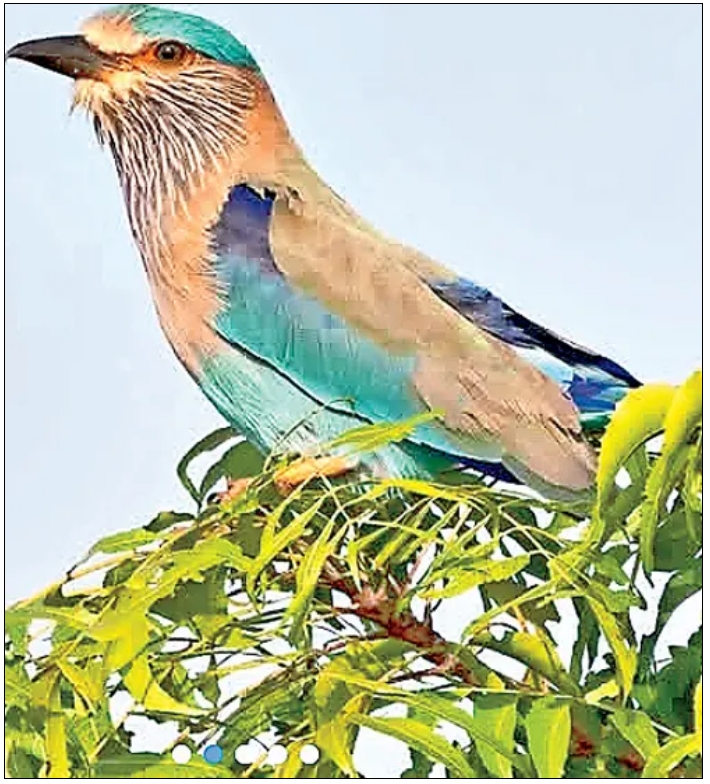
{"x":345,"y":314}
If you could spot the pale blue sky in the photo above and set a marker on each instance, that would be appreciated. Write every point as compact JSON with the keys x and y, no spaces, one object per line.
{"x":551,"y":152}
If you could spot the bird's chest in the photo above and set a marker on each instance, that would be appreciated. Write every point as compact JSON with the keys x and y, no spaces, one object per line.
{"x":209,"y":265}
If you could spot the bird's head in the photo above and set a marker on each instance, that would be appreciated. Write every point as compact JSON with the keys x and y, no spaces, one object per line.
{"x":170,"y":93}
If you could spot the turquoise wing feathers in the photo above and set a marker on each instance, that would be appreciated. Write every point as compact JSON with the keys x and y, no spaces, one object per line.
{"x":342,"y":318}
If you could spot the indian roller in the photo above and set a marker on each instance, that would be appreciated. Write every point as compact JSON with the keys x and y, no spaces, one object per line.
{"x":297,"y":318}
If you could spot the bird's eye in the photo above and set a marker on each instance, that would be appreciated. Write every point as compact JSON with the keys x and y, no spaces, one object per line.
{"x":170,"y":52}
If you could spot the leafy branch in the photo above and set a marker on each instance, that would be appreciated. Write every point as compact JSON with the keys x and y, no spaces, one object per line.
{"x":307,"y":619}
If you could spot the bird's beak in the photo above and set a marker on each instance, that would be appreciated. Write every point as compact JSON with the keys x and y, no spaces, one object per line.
{"x":70,"y":55}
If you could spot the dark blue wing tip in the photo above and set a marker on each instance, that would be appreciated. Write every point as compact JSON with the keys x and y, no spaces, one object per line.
{"x":492,"y":314}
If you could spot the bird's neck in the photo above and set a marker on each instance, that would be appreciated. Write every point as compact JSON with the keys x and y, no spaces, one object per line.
{"x":170,"y":158}
{"x":174,"y":230}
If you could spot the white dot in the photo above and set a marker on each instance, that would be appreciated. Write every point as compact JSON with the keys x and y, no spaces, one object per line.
{"x":310,"y":755}
{"x":182,"y":755}
{"x":277,"y":755}
{"x":247,"y":755}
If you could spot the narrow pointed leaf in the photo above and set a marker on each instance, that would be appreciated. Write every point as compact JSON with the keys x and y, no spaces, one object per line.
{"x":637,"y":729}
{"x":123,"y":543}
{"x":440,"y":708}
{"x":665,"y":761}
{"x":496,"y":714}
{"x":466,"y":579}
{"x":422,"y":738}
{"x":549,"y":730}
{"x":639,"y":417}
{"x":144,"y":689}
{"x":307,"y":578}
{"x":210,"y":443}
{"x":625,"y":657}
{"x":56,"y":742}
{"x":280,"y":541}
{"x":86,"y":680}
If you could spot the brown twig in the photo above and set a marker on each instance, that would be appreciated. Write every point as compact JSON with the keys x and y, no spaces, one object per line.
{"x":381,"y":608}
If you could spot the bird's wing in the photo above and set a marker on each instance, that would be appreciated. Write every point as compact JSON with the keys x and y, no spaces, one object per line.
{"x":338,"y":309}
{"x":594,"y":382}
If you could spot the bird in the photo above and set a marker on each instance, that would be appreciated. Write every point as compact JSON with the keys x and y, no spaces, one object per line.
{"x":299,"y":320}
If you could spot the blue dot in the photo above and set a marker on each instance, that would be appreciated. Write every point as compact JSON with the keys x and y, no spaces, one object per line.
{"x":213,"y":755}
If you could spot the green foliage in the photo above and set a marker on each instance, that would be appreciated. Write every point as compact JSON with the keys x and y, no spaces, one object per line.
{"x":312,"y":618}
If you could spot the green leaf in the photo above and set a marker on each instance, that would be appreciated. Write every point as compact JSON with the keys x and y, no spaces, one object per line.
{"x":195,"y":769}
{"x":693,"y":483}
{"x":653,"y":510}
{"x":466,"y":579}
{"x":680,"y":587}
{"x":422,"y":738}
{"x":307,"y":577}
{"x":637,"y":728}
{"x":480,"y":624}
{"x":625,"y":657}
{"x":372,"y":437}
{"x":608,"y":690}
{"x":422,"y":766}
{"x":167,"y":520}
{"x":86,"y":680}
{"x":56,"y":743}
{"x":395,"y":551}
{"x":209,"y":444}
{"x":113,"y":765}
{"x":154,"y":766}
{"x":127,"y":639}
{"x":17,"y":686}
{"x":668,"y":758}
{"x":549,"y":730}
{"x":274,"y":543}
{"x":678,"y":539}
{"x":683,"y":417}
{"x":182,"y":566}
{"x":20,"y":764}
{"x":77,"y":618}
{"x":535,"y":650}
{"x":505,"y":592}
{"x":292,"y":767}
{"x":123,"y":543}
{"x":200,"y":602}
{"x":638,"y":417}
{"x":335,"y":704}
{"x":438,"y":707}
{"x":606,"y":564}
{"x":667,"y":695}
{"x":496,"y":714}
{"x":144,"y":689}
{"x":240,"y":462}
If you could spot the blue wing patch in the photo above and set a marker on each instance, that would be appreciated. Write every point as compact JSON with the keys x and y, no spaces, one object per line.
{"x":243,"y":229}
{"x":595,"y":383}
